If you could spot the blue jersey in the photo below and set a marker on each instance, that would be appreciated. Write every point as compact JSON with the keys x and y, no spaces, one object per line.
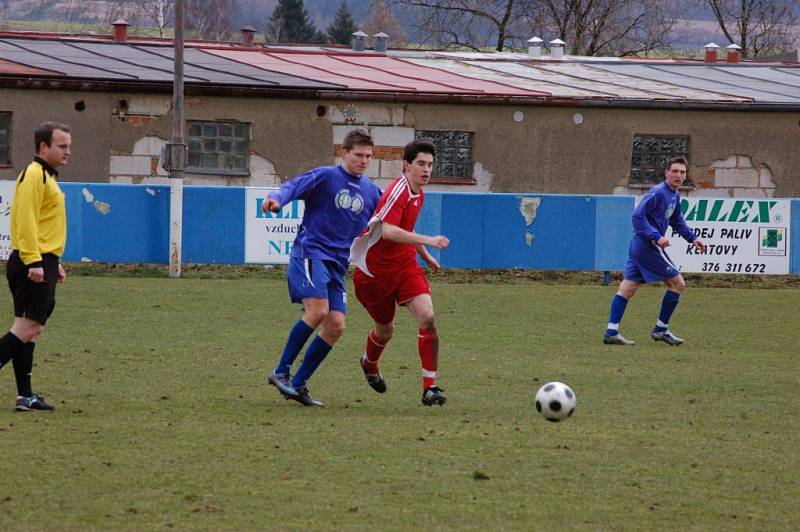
{"x":338,"y":206}
{"x":659,"y":209}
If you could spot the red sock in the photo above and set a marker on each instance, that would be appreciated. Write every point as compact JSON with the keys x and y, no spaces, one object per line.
{"x":373,"y":352}
{"x":428,"y":356}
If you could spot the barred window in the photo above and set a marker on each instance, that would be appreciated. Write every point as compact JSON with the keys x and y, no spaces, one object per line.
{"x":220,"y":147}
{"x":453,"y":153}
{"x":650,"y":155}
{"x":5,"y":138}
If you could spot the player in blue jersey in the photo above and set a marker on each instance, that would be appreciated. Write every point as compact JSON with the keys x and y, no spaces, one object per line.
{"x":647,"y":257}
{"x":339,"y":201}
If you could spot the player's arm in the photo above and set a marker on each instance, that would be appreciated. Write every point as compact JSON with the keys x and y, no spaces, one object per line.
{"x":678,"y":223}
{"x":640,"y":224}
{"x":399,"y":235}
{"x":28,"y":199}
{"x":428,"y":258}
{"x":296,"y":188}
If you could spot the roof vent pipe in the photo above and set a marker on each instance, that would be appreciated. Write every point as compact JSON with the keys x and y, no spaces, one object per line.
{"x":535,"y":47}
{"x":359,"y":41}
{"x":381,"y":43}
{"x":711,"y":52}
{"x":557,"y":48}
{"x":248,"y":36}
{"x":734,"y":55}
{"x":120,"y":30}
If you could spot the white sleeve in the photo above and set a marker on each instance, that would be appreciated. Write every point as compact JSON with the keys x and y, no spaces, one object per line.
{"x":362,"y":243}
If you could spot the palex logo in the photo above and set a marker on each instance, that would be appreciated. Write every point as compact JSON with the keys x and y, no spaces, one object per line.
{"x":772,"y":241}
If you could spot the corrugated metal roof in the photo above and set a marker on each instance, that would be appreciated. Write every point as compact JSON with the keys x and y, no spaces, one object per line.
{"x":290,"y":65}
{"x":430,"y":78}
{"x":712,"y":78}
{"x":515,"y":75}
{"x":14,"y":69}
{"x":572,"y":77}
{"x":437,"y":74}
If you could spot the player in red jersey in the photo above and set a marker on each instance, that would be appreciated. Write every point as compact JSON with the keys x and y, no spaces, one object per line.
{"x":387,"y":273}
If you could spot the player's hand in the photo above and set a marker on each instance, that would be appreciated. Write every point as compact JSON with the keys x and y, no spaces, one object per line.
{"x":699,"y":245}
{"x":663,"y":242}
{"x":36,"y":274}
{"x":62,"y":274}
{"x":433,"y":265}
{"x":271,"y":205}
{"x":439,"y":242}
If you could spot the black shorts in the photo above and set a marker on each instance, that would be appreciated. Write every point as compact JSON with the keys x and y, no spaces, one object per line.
{"x":34,"y":301}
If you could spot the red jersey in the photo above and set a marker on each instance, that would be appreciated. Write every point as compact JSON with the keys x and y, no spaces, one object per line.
{"x":398,"y":206}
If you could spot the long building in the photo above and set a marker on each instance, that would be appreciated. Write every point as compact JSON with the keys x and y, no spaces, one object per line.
{"x":504,"y":122}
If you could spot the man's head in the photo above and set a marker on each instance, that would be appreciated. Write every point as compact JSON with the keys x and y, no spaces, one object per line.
{"x":53,"y":142}
{"x":356,"y":152}
{"x":675,"y":172}
{"x":418,"y":162}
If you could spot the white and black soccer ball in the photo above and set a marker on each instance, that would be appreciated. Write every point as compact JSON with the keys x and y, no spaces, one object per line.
{"x":555,"y":401}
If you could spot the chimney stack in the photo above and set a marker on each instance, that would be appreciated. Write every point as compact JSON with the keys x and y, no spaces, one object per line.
{"x":248,"y":36}
{"x":120,"y":30}
{"x":557,"y":48}
{"x":535,"y":47}
{"x":359,"y":41}
{"x":381,"y":43}
{"x":734,"y":55}
{"x":711,"y":53}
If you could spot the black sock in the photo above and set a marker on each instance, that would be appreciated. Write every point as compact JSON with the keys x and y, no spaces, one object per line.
{"x":9,"y":346}
{"x":23,"y":365}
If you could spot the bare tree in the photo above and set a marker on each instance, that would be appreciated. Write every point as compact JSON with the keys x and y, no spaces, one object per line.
{"x":607,"y":27}
{"x":121,"y":9}
{"x":381,"y":19}
{"x":590,"y":27}
{"x":4,"y":15}
{"x":160,"y":12}
{"x":474,"y":24}
{"x":758,"y":26}
{"x":210,"y":19}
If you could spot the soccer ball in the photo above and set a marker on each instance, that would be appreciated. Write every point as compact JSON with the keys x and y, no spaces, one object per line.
{"x":555,"y":401}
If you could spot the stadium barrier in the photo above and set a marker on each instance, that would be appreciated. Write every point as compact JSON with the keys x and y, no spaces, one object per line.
{"x":130,"y":224}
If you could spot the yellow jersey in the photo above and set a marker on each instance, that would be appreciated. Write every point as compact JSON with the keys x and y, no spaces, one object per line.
{"x":38,"y":214}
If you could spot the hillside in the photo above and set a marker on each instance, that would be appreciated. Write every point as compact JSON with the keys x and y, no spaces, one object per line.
{"x":82,"y":16}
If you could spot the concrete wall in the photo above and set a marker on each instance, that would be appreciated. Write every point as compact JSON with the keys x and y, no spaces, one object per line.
{"x":91,"y":129}
{"x":130,"y":223}
{"x":516,"y":148}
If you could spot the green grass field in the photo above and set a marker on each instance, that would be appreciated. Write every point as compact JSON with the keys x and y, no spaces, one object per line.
{"x":165,"y":420}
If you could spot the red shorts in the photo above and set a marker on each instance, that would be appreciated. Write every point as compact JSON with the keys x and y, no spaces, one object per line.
{"x":380,"y":295}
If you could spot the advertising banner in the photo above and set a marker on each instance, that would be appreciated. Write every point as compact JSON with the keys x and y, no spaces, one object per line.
{"x":742,"y":236}
{"x":6,"y":195}
{"x":269,"y":237}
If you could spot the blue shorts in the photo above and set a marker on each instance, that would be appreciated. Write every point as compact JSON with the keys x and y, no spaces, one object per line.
{"x":648,"y":263}
{"x":319,"y":279}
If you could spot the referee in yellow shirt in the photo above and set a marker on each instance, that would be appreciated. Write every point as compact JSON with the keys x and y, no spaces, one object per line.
{"x":38,"y":236}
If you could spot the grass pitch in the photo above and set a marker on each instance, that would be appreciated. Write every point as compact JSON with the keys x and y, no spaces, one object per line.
{"x":165,"y":419}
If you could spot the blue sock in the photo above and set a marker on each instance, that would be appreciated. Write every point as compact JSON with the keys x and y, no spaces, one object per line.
{"x":315,"y":354}
{"x":618,"y":305}
{"x":298,"y":337}
{"x":668,"y":305}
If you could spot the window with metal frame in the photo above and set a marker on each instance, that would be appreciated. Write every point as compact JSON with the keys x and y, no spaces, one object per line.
{"x":453,"y":153}
{"x":5,"y":138}
{"x":650,"y":154}
{"x":219,"y":147}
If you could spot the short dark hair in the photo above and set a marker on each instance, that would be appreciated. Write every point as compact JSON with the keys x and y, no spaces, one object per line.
{"x":357,"y":137}
{"x":416,"y":147}
{"x":44,"y":133}
{"x":677,"y":160}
